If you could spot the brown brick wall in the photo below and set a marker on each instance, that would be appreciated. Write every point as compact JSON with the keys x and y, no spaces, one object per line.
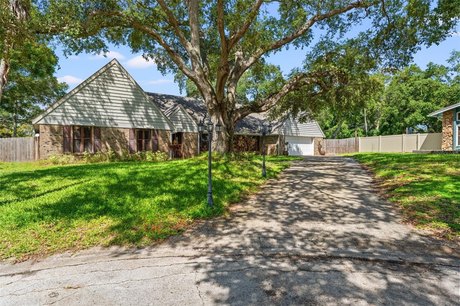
{"x":447,"y":130}
{"x":50,"y":140}
{"x":272,"y":144}
{"x":164,"y":140}
{"x":318,"y":146}
{"x":115,"y":139}
{"x":189,"y":144}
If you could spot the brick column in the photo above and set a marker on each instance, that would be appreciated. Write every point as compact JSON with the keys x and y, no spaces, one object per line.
{"x":447,"y":130}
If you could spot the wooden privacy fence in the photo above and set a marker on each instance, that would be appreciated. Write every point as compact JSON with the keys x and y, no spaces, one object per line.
{"x":341,"y":146}
{"x":391,"y":143}
{"x":17,"y":149}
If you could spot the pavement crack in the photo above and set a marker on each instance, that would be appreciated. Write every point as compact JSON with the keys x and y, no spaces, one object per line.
{"x":197,"y":286}
{"x":262,"y":253}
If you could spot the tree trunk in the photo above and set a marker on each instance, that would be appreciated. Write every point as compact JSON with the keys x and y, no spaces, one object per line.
{"x":15,"y":120}
{"x":365,"y":122}
{"x":218,"y":111}
{"x":337,"y":130}
{"x":3,"y":76}
{"x":223,"y":141}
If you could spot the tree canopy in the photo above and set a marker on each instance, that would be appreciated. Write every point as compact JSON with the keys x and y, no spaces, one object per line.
{"x":401,"y":100}
{"x":31,"y":87}
{"x":222,"y":46}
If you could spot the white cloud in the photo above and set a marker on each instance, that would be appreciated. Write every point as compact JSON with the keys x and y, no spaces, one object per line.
{"x":140,"y":63}
{"x":160,"y":82}
{"x":110,"y":55}
{"x":70,"y":79}
{"x":456,"y":34}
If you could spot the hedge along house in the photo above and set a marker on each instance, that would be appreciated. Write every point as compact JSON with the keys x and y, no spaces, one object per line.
{"x":107,"y":111}
{"x":450,"y":117}
{"x":288,"y":135}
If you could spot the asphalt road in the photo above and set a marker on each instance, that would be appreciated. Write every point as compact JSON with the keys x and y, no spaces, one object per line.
{"x":318,"y":235}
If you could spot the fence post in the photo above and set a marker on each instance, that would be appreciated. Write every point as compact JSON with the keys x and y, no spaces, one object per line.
{"x":402,"y":143}
{"x":417,"y":142}
{"x":380,"y":145}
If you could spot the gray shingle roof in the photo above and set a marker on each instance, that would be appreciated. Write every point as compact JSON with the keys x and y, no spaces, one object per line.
{"x":197,"y":109}
{"x":248,"y":125}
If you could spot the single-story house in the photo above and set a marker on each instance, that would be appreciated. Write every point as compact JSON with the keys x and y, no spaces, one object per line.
{"x":110,"y":111}
{"x":287,"y":136}
{"x":450,"y":116}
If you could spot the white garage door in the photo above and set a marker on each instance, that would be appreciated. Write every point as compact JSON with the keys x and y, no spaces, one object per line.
{"x":298,"y":145}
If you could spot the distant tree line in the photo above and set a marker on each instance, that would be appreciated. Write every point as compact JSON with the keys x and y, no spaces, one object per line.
{"x":399,"y":103}
{"x":364,"y":101}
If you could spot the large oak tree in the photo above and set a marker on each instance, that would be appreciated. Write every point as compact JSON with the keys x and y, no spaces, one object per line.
{"x":216,"y":44}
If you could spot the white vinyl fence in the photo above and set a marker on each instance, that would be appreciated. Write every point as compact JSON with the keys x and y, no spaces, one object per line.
{"x":392,"y":143}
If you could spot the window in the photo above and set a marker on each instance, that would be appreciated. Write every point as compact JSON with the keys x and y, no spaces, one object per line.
{"x":458,"y":116}
{"x":143,"y":140}
{"x":458,"y":135}
{"x":82,"y":139}
{"x":177,"y":138}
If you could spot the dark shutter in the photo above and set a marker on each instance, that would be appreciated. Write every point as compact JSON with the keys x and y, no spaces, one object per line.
{"x":155,"y":141}
{"x":132,"y":140}
{"x":97,"y":139}
{"x":67,"y":145}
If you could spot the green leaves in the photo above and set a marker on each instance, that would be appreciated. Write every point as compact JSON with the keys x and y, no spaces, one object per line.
{"x":31,"y":86}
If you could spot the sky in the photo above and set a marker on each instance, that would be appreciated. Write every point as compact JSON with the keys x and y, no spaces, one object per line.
{"x":76,"y":68}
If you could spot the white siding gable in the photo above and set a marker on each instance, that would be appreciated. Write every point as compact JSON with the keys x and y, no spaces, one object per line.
{"x":291,"y":127}
{"x":109,"y":98}
{"x":182,"y":121}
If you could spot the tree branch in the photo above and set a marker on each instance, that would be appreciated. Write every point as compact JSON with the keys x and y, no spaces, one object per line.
{"x":223,"y":70}
{"x":266,"y":104}
{"x":175,"y":25}
{"x":221,"y":26}
{"x":302,"y":30}
{"x":235,"y":38}
{"x":172,"y":53}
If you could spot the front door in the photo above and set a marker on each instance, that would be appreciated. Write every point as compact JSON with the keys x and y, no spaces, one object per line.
{"x":176,"y":145}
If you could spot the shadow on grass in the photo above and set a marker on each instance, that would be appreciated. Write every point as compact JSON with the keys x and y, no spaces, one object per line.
{"x":143,"y":201}
{"x":425,"y":185}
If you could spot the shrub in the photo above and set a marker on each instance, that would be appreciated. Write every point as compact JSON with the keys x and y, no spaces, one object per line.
{"x":62,"y":159}
{"x":156,"y":156}
{"x":109,"y":156}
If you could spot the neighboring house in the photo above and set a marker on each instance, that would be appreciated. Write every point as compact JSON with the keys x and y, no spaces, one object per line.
{"x":110,"y":111}
{"x":450,"y":116}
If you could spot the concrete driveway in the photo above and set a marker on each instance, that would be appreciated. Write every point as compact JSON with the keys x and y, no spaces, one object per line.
{"x":317,"y":235}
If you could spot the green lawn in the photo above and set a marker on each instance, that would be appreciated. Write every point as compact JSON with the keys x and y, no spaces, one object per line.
{"x":48,"y":209}
{"x":425,"y":186}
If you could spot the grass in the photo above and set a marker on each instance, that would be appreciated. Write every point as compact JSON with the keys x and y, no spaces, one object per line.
{"x":49,"y":209}
{"x":425,"y":186}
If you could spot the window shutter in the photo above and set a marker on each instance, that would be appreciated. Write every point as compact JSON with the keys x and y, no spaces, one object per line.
{"x":67,"y":139}
{"x":132,"y":140}
{"x":155,"y":141}
{"x":97,"y":139}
